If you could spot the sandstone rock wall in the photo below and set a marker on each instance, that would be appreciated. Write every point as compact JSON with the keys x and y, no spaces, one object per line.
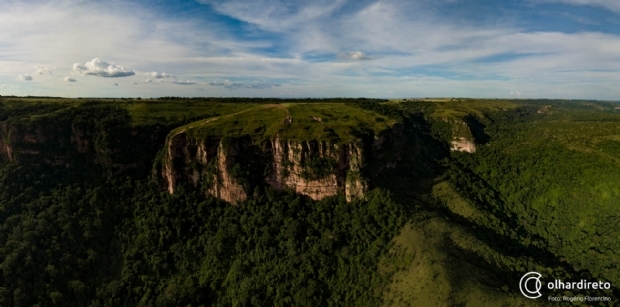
{"x":210,"y":165}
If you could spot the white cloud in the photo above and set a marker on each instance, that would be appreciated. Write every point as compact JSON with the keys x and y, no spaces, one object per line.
{"x":162,"y":77}
{"x":354,"y":55}
{"x":227,"y":84}
{"x":612,"y":5}
{"x":276,"y":15}
{"x":24,"y":77}
{"x":159,"y":75}
{"x":238,"y":85}
{"x":69,"y":79}
{"x":43,"y":70}
{"x":97,"y":67}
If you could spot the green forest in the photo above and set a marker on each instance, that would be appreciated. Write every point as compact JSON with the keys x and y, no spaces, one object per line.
{"x":86,"y":221}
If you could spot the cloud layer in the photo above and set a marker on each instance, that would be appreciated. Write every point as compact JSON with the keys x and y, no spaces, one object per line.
{"x":387,"y":48}
{"x":239,"y":85}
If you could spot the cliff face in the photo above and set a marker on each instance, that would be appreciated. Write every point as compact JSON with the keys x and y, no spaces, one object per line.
{"x":207,"y":164}
{"x":463,"y":144}
{"x":5,"y":142}
{"x":230,"y":168}
{"x":462,"y":137}
{"x":290,"y":169}
{"x":84,"y":151}
{"x":21,"y":142}
{"x":44,"y":143}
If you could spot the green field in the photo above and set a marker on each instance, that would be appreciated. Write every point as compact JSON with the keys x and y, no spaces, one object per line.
{"x":308,"y":121}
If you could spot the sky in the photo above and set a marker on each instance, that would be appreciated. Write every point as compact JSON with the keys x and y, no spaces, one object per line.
{"x":323,"y":48}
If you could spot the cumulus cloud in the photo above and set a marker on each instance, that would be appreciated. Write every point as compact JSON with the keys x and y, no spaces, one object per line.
{"x":237,"y":85}
{"x":24,"y":77}
{"x":354,"y":55}
{"x":97,"y":67}
{"x":43,"y":70}
{"x":69,"y":79}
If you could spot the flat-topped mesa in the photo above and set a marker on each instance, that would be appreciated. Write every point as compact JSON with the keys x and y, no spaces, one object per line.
{"x":229,"y":168}
{"x":317,"y":149}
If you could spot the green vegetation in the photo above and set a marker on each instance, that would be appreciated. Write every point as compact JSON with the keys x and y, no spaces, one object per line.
{"x":124,"y":243}
{"x":318,"y":168}
{"x":293,"y":121}
{"x":552,"y":179}
{"x":83,"y":222}
{"x":161,"y":112}
{"x":467,"y":107}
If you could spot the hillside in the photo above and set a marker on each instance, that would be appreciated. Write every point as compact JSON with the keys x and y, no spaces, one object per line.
{"x":316,"y":202}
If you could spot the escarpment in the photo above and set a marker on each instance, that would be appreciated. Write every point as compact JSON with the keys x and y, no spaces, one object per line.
{"x":229,"y":168}
{"x":81,"y":143}
{"x":57,"y":144}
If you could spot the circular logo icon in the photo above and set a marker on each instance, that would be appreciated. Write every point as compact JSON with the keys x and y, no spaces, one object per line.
{"x":530,"y":285}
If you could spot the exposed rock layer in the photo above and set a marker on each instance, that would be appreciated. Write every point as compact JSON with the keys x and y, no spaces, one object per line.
{"x":230,"y":168}
{"x":462,"y":138}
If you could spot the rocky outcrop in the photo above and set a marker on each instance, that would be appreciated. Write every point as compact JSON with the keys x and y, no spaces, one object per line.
{"x":230,"y":168}
{"x":6,"y":150}
{"x":463,"y":144}
{"x":19,"y":141}
{"x":462,"y":137}
{"x":37,"y":142}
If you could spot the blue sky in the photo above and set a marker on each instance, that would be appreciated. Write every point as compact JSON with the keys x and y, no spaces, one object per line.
{"x":338,"y":48}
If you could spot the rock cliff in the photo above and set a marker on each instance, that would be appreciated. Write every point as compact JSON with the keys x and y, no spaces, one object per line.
{"x":229,"y":168}
{"x":77,"y":146}
{"x":462,"y":137}
{"x":42,"y":142}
